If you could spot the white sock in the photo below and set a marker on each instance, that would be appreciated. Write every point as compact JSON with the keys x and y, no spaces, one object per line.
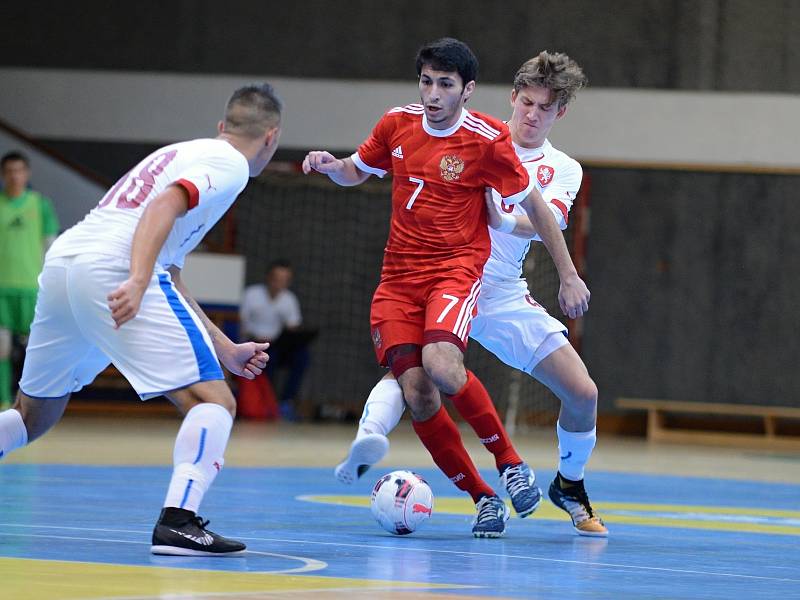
{"x":198,"y":454}
{"x":383,"y":409}
{"x":574,"y":450}
{"x":13,"y":433}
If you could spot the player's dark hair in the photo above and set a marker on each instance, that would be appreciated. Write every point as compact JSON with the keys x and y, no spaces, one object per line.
{"x":253,"y":109}
{"x":448,"y":54}
{"x":279,"y":263}
{"x":14,"y":155}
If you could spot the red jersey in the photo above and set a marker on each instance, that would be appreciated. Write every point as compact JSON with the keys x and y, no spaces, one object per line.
{"x":439,"y":177}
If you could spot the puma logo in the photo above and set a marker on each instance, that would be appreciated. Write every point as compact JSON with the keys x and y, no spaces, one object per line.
{"x":421,"y":508}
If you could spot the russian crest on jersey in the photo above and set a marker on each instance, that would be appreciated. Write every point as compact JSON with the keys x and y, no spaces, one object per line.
{"x":451,"y":167}
{"x":401,"y":502}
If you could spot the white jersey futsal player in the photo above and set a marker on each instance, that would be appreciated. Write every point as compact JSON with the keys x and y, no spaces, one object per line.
{"x":510,"y":323}
{"x":111,"y":291}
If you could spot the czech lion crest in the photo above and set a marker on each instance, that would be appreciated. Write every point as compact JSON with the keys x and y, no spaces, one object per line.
{"x":451,"y":167}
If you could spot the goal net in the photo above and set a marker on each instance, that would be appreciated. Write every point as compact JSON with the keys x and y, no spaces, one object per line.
{"x":334,"y":238}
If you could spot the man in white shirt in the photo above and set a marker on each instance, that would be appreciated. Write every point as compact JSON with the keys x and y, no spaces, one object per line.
{"x":268,"y":311}
{"x":510,"y":323}
{"x":111,"y":291}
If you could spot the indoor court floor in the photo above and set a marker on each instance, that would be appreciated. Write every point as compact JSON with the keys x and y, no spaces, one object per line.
{"x":77,"y":508}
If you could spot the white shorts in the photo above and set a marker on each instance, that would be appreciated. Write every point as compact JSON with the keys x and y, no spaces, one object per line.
{"x":164,"y":347}
{"x":514,"y":327}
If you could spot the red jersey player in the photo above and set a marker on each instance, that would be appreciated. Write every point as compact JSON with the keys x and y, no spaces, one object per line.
{"x":442,"y":158}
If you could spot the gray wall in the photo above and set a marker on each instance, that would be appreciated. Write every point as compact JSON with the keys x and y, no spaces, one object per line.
{"x":694,"y":277}
{"x":677,"y":44}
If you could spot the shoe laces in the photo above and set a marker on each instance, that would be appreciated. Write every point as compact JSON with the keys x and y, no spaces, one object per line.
{"x":199,"y":521}
{"x":488,"y":509}
{"x":576,"y":495}
{"x":516,"y":480}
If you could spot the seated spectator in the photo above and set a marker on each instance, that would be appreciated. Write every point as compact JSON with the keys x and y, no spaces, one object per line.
{"x":270,"y":312}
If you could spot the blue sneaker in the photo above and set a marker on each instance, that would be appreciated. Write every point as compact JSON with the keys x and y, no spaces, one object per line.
{"x":492,"y":516}
{"x":522,"y":489}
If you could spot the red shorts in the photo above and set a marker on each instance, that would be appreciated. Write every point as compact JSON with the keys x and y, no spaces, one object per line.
{"x":423,"y":311}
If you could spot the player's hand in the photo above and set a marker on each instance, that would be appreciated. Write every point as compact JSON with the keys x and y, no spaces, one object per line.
{"x":322,"y":162}
{"x":125,"y":301}
{"x":246,"y":360}
{"x":573,"y":297}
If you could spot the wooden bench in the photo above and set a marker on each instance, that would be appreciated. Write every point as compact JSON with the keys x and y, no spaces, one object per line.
{"x":659,"y":429}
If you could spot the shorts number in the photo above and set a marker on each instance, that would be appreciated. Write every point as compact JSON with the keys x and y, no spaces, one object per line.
{"x":419,"y":183}
{"x":448,"y":308}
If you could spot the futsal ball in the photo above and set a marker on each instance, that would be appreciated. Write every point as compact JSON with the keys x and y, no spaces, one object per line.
{"x":401,"y":502}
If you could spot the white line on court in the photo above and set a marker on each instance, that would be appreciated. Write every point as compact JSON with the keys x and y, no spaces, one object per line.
{"x":417,"y":548}
{"x":309,"y":564}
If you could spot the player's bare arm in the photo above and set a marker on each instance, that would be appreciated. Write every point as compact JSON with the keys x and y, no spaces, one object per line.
{"x":246,"y":360}
{"x":155,"y":225}
{"x":341,"y":171}
{"x":573,"y":295}
{"x":516,"y":225}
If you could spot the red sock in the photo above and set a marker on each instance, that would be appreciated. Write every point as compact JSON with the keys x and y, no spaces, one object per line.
{"x":440,"y":436}
{"x":475,"y":405}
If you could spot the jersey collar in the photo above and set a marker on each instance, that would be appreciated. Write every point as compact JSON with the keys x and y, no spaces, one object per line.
{"x":443,"y":132}
{"x":532,"y":154}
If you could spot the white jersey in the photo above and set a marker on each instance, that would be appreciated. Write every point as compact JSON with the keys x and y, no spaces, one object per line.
{"x":264,"y":317}
{"x":211,"y":170}
{"x":558,"y":178}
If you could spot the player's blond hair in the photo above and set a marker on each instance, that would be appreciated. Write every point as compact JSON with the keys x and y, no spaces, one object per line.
{"x":554,"y":71}
{"x":252,"y":110}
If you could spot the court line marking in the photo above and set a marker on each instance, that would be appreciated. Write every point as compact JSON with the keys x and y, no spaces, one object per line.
{"x":282,"y":593}
{"x":712,"y":518}
{"x":309,"y":564}
{"x":535,"y":558}
{"x":418,"y":548}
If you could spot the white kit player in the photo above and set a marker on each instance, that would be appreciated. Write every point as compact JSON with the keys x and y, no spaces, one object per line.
{"x":510,"y":323}
{"x":111,"y":292}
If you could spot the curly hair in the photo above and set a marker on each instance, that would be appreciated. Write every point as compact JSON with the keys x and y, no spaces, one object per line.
{"x":554,"y":71}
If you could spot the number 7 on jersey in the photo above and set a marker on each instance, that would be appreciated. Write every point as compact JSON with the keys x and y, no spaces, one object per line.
{"x":420,"y":183}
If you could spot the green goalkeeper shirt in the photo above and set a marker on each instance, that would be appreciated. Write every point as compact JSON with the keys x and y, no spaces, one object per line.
{"x":25,"y":222}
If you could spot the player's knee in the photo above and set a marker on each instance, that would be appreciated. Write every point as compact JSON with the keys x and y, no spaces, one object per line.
{"x":226,"y":401}
{"x":447,"y":373}
{"x":211,"y":392}
{"x":443,"y":361}
{"x":583,"y":396}
{"x":5,"y":344}
{"x":422,"y":397}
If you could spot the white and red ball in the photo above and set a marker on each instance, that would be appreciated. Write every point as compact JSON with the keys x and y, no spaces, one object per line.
{"x":401,"y":502}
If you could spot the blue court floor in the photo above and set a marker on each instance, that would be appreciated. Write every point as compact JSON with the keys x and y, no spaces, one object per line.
{"x":83,"y":532}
